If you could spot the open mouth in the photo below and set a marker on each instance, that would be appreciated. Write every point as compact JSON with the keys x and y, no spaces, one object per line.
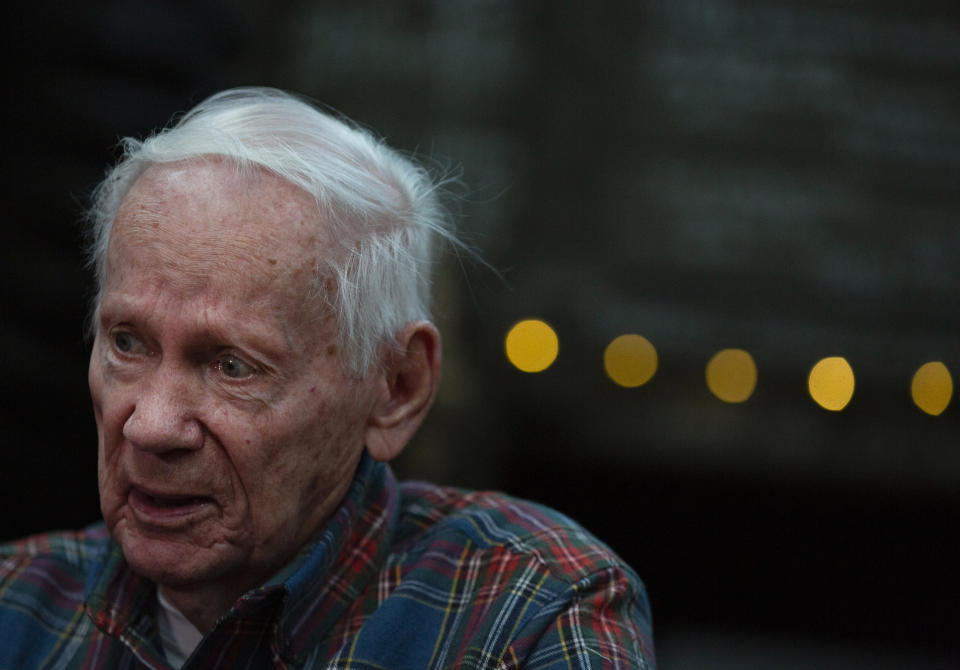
{"x":166,"y":508}
{"x":171,"y":502}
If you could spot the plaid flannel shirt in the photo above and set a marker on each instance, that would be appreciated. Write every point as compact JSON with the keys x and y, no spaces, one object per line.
{"x":402,"y":576}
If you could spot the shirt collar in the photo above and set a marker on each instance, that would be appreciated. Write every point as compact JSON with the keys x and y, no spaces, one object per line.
{"x":331,"y":573}
{"x":122,"y":604}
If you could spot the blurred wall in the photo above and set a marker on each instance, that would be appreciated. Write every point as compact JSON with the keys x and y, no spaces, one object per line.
{"x":776,"y":176}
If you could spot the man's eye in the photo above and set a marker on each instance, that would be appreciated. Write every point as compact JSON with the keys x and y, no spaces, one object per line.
{"x":127,"y":343}
{"x":233,"y":367}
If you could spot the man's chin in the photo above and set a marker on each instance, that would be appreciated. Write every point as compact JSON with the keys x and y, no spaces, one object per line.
{"x":172,"y":561}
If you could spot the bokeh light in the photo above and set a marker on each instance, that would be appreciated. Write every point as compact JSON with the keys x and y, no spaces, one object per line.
{"x":532,"y":345}
{"x":732,"y":375}
{"x":831,"y":383}
{"x":932,"y":387}
{"x":630,"y":360}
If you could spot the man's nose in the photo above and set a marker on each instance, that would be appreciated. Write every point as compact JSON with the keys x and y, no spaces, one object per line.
{"x":164,"y":414}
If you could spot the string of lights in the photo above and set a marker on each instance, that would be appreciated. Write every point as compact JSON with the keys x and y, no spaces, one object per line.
{"x":631,"y":360}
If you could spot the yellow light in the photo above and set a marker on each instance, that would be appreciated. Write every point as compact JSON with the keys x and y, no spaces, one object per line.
{"x":932,"y":387}
{"x":831,"y":383}
{"x":630,"y":360}
{"x":732,"y":375}
{"x":532,"y":346}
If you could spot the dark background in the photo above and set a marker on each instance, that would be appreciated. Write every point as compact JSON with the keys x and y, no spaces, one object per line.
{"x":780,"y":176}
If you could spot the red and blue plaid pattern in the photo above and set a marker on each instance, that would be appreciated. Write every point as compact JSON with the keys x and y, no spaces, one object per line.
{"x":402,"y":576}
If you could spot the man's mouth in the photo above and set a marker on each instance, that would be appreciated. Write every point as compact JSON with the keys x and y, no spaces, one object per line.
{"x":166,"y":510}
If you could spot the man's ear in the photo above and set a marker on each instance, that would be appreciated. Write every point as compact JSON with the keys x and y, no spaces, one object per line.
{"x":406,"y":388}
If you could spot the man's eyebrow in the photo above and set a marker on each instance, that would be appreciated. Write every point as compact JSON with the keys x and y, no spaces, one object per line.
{"x":276,"y":345}
{"x":126,"y":306}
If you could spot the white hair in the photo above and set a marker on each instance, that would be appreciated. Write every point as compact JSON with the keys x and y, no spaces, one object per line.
{"x":382,"y":209}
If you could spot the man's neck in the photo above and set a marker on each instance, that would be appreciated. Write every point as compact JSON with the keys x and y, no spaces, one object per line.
{"x":202,"y":606}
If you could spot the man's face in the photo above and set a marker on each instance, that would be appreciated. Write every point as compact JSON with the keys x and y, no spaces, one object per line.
{"x":228,"y":431}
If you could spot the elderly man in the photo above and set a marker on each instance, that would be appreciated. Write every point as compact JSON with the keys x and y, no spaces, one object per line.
{"x":261,"y":348}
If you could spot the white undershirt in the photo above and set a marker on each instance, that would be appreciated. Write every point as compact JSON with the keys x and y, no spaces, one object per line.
{"x":178,"y":636}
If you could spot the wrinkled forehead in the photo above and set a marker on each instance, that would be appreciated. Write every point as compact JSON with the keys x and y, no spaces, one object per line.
{"x":207,"y":230}
{"x":209,"y":216}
